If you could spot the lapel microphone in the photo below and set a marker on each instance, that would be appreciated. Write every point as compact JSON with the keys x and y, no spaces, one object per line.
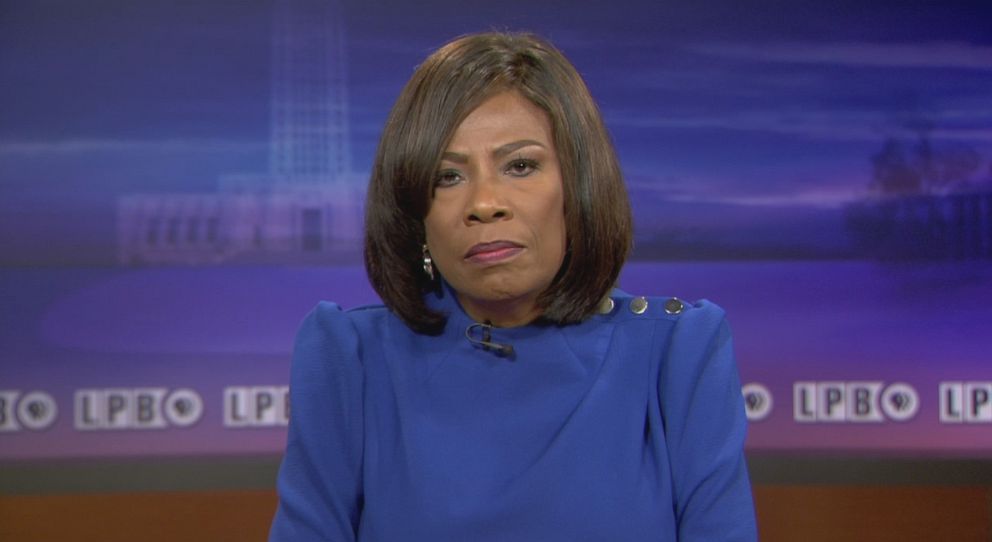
{"x":486,"y":343}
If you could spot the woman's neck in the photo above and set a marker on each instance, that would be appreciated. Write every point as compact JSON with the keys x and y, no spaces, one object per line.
{"x":501,"y":313}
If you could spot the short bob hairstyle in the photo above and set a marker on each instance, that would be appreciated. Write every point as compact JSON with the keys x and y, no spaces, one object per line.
{"x":450,"y":83}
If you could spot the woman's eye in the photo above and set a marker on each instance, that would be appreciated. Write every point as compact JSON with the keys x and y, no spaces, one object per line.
{"x":521,"y":167}
{"x":447,"y":178}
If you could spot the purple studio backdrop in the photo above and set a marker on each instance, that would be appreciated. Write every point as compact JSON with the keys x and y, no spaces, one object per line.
{"x":181,"y":183}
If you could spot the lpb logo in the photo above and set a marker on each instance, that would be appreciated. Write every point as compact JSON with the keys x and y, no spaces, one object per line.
{"x":36,"y":410}
{"x":757,"y":401}
{"x":859,"y":401}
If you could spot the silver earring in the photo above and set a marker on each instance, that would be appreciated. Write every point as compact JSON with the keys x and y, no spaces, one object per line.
{"x":428,"y":264}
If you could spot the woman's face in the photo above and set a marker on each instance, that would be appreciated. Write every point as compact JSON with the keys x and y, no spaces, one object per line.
{"x":496,"y":225}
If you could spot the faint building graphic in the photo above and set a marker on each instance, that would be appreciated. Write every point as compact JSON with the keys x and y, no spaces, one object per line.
{"x":926,"y":203}
{"x":309,"y":93}
{"x":306,"y":208}
{"x":924,"y":227}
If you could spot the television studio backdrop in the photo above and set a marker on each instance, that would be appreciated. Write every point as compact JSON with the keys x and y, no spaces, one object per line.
{"x":180,"y":183}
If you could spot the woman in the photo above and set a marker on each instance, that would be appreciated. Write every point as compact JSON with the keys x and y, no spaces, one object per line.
{"x":504,"y":392}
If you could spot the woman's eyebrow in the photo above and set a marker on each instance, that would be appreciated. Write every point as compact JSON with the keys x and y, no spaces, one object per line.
{"x":510,"y":147}
{"x":499,"y":152}
{"x":455,"y":157}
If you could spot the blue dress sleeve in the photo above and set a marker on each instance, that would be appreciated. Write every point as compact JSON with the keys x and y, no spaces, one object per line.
{"x":320,"y":480}
{"x":705,"y":427}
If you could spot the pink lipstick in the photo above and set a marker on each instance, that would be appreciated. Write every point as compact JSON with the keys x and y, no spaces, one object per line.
{"x":493,"y":252}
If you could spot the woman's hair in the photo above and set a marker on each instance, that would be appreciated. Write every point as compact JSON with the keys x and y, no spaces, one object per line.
{"x":449,"y":84}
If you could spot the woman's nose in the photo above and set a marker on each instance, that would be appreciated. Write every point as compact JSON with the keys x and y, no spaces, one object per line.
{"x":487,"y":201}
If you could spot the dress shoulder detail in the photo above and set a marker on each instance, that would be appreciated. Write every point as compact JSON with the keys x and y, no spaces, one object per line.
{"x":622,"y":305}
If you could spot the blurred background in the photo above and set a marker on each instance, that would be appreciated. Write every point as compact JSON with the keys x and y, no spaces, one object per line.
{"x":180,"y":182}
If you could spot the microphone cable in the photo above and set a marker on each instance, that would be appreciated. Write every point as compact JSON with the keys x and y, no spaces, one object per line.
{"x":486,"y":343}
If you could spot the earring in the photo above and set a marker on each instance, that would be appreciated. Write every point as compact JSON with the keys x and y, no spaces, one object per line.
{"x":428,"y":264}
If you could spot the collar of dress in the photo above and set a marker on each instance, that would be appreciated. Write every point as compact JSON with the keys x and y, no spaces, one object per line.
{"x":587,"y":339}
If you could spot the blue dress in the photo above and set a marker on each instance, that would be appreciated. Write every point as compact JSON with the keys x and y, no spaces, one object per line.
{"x":626,"y":427}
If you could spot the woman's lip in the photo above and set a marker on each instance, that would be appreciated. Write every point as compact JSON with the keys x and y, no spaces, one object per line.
{"x":492,"y":252}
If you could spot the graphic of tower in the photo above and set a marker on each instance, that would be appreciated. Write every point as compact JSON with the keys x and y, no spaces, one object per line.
{"x":307,"y":207}
{"x":309,"y":122}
